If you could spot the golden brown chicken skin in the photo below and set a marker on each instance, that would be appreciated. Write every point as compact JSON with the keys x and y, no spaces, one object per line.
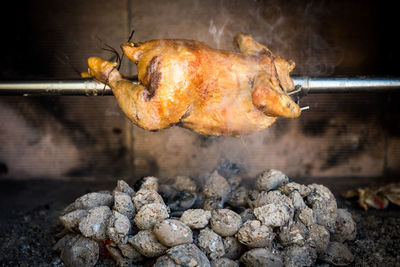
{"x":212,"y":92}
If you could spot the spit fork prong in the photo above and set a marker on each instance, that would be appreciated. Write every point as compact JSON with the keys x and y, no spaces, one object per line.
{"x":298,"y":89}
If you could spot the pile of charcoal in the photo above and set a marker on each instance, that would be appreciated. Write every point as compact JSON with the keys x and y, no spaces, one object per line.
{"x":223,"y":223}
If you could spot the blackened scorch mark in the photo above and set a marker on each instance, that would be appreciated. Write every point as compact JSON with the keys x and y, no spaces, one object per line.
{"x":154,"y":76}
{"x":3,"y":168}
{"x":342,"y":153}
{"x":265,"y":52}
{"x":315,"y":127}
{"x":206,"y":141}
{"x":251,"y":81}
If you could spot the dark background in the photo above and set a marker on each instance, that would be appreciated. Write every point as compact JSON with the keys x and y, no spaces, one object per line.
{"x":37,"y":35}
{"x":88,"y":137}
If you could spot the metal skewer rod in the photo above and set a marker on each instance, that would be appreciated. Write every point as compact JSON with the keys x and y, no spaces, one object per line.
{"x":90,"y":87}
{"x":347,"y":85}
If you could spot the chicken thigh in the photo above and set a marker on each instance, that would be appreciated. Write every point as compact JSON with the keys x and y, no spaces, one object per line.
{"x":210,"y":91}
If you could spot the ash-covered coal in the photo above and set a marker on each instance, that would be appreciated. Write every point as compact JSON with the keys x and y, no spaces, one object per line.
{"x":224,"y":223}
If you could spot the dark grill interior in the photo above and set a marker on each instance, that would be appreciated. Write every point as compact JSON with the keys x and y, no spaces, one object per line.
{"x":54,"y":149}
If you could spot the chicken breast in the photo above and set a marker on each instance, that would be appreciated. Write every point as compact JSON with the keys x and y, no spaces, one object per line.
{"x":213,"y":92}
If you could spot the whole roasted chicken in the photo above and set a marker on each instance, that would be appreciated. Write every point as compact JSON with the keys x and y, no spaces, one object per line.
{"x":212,"y":92}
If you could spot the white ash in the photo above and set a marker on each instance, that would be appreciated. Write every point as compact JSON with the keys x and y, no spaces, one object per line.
{"x":117,"y":256}
{"x":272,"y":197}
{"x":275,"y":197}
{"x":216,"y":186}
{"x":123,"y":204}
{"x":225,"y":222}
{"x":151,"y":214}
{"x":306,"y":216}
{"x":146,"y":243}
{"x":233,"y":248}
{"x":71,"y":220}
{"x":234,"y":181}
{"x":180,"y":195}
{"x":80,"y":252}
{"x":275,"y":215}
{"x":213,"y":203}
{"x":66,"y":240}
{"x":172,"y":233}
{"x":167,"y":191}
{"x":224,"y":262}
{"x":345,"y":227}
{"x":165,"y":261}
{"x":337,"y":254}
{"x":129,"y":252}
{"x":68,"y":209}
{"x":247,"y":214}
{"x":92,"y":200}
{"x":182,"y":201}
{"x":118,"y":228}
{"x":262,"y":257}
{"x":183,"y":255}
{"x":149,"y":183}
{"x":293,"y":234}
{"x":177,"y":201}
{"x":238,"y":197}
{"x":252,"y":198}
{"x":199,"y":200}
{"x":144,"y":197}
{"x":211,"y":244}
{"x":94,"y":223}
{"x":318,"y":238}
{"x":290,"y":224}
{"x":323,"y":203}
{"x":270,"y":179}
{"x":123,"y":187}
{"x":294,"y":256}
{"x":253,"y":234}
{"x":292,"y":186}
{"x":196,"y":218}
{"x":185,"y":183}
{"x":297,"y":200}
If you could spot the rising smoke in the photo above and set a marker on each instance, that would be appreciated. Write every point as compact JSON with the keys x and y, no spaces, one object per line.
{"x":290,"y":30}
